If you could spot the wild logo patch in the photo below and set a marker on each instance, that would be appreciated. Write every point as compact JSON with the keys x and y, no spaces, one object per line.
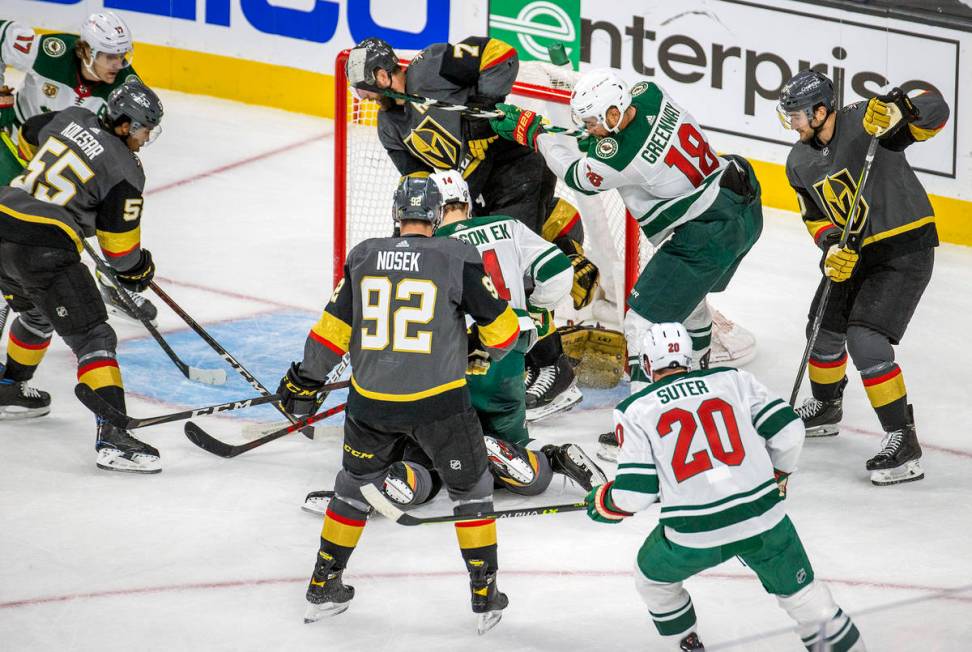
{"x":432,"y":143}
{"x":54,"y":47}
{"x":836,"y":191}
{"x":607,"y":147}
{"x":639,"y":88}
{"x":50,"y":90}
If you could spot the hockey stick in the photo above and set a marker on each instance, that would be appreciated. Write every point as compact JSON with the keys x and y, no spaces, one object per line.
{"x":103,"y":409}
{"x":207,"y":376}
{"x":210,"y":444}
{"x":828,"y":284}
{"x":226,"y":355}
{"x":4,"y":312}
{"x":385,"y":507}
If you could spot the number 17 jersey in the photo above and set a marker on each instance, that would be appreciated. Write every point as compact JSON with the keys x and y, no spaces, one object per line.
{"x":706,"y":443}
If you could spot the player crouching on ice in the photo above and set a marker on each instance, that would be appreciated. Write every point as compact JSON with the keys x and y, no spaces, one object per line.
{"x":725,"y":501}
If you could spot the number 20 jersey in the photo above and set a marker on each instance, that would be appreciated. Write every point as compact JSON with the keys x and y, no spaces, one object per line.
{"x":706,"y":443}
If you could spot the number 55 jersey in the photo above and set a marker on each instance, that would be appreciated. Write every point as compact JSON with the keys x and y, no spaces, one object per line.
{"x":706,"y":443}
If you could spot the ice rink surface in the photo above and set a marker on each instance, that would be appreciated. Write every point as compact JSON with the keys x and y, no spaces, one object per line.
{"x":215,"y":554}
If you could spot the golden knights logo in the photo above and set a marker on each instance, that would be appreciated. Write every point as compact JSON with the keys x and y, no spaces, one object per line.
{"x":836,"y":191}
{"x":432,"y":143}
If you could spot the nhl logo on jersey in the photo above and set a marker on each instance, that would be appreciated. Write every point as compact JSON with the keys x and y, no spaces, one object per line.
{"x":54,"y":47}
{"x":836,"y":191}
{"x":607,"y":147}
{"x":50,"y":90}
{"x":639,"y":88}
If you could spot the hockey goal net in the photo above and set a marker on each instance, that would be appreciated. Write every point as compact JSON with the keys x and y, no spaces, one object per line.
{"x":365,"y":180}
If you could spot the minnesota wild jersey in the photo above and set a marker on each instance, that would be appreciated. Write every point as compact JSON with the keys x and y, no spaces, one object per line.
{"x":52,"y":79}
{"x":660,"y":163}
{"x":706,"y":444}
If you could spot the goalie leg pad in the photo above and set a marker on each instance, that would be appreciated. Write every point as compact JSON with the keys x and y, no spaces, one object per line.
{"x":635,"y":328}
{"x":516,"y":468}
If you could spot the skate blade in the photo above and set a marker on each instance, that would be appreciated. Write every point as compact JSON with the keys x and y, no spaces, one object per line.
{"x":118,"y":312}
{"x":14,"y":412}
{"x":907,"y":472}
{"x":580,"y":458}
{"x":111,"y":459}
{"x":315,"y":612}
{"x":488,"y":621}
{"x":316,"y":506}
{"x":607,"y":453}
{"x":828,"y":430}
{"x":565,"y":401}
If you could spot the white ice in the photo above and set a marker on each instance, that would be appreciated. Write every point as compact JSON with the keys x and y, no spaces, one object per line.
{"x":215,"y":554}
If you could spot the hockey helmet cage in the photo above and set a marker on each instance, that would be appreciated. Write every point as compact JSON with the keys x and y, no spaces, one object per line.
{"x":596,"y":92}
{"x":364,"y":58}
{"x":666,"y":346}
{"x":418,"y":198}
{"x":805,"y":91}
{"x":134,"y":102}
{"x":452,"y":186}
{"x":107,"y":32}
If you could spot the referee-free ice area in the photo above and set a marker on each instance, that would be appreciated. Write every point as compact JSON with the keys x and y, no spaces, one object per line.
{"x":214,"y":554}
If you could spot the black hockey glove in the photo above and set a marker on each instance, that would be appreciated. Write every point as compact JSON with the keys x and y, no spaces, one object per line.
{"x":299,"y":395}
{"x":477,"y":363}
{"x":586,"y":275}
{"x":137,"y":278}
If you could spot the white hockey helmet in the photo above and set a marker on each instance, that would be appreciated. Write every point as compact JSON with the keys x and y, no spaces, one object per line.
{"x":596,"y":92}
{"x":107,"y":32}
{"x":452,"y":186}
{"x":664,"y":346}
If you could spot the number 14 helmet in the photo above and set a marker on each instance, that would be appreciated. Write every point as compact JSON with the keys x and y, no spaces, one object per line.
{"x":665,"y":346}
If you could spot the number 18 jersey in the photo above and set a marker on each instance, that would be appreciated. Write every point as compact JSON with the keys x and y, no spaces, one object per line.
{"x":706,"y":443}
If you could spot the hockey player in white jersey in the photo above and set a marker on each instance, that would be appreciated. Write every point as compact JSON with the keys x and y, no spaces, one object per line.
{"x":715,"y":447}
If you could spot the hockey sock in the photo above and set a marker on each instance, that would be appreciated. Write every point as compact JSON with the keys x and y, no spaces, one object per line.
{"x":885,"y":389}
{"x":701,"y":336}
{"x":669,"y":604}
{"x":25,"y":350}
{"x":100,"y":372}
{"x":343,"y":525}
{"x":826,"y":374}
{"x":477,"y":542}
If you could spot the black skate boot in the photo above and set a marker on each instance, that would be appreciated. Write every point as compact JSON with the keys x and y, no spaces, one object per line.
{"x":572,"y":461}
{"x":608,"y":450}
{"x":119,"y":451}
{"x":821,"y":418}
{"x":18,"y":400}
{"x":899,"y":459}
{"x":327,"y":595}
{"x":691,"y":642}
{"x":487,"y":600}
{"x":114,"y":305}
{"x":554,"y":390}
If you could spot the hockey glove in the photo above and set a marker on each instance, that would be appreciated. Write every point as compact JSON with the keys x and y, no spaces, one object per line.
{"x":781,"y":479}
{"x":7,"y":116}
{"x":477,"y":363}
{"x":586,"y":275}
{"x":600,"y":506}
{"x":884,"y":112}
{"x":519,"y":125}
{"x":298,"y":394}
{"x":137,"y":278}
{"x":839,"y":263}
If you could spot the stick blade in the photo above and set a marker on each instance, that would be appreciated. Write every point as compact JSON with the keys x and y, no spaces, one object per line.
{"x":90,"y":399}
{"x":208,"y":443}
{"x":207,"y":376}
{"x":385,"y":507}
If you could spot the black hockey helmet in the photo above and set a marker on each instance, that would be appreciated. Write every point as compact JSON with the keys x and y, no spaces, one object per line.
{"x":133,"y":102}
{"x":364,"y":58}
{"x":418,"y":198}
{"x":805,"y":91}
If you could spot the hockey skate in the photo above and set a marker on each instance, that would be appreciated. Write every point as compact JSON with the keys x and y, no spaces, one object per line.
{"x":899,"y":458}
{"x":18,"y":400}
{"x":327,"y":595}
{"x":571,"y":461}
{"x":316,"y":502}
{"x":691,"y":642}
{"x":821,"y":418}
{"x":119,"y":451}
{"x":114,"y":305}
{"x":507,"y":462}
{"x":555,"y":390}
{"x":608,"y":447}
{"x":396,"y":485}
{"x":488,"y":601}
{"x":732,"y":345}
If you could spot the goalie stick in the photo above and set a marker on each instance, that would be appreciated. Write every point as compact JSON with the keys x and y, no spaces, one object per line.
{"x":112,"y":415}
{"x":207,"y":376}
{"x":387,"y":509}
{"x":210,"y":444}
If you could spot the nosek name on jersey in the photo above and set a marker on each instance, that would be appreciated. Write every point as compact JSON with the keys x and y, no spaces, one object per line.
{"x":407,"y":261}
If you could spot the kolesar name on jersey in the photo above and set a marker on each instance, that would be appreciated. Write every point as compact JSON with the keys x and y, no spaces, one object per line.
{"x":485,"y":235}
{"x":661,"y":133}
{"x":84,"y":139}
{"x":407,"y":261}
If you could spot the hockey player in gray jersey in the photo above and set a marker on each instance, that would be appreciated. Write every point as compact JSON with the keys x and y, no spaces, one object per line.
{"x":400,"y":311}
{"x":503,"y":178}
{"x":880,"y":275}
{"x":83,"y":179}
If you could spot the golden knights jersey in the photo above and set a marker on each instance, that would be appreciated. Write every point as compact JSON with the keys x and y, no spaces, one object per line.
{"x":477,"y":71}
{"x":81,"y":181}
{"x":511,"y":252}
{"x":660,"y":163}
{"x":894,"y":215}
{"x":400,"y":310}
{"x":52,"y":79}
{"x":705,"y":443}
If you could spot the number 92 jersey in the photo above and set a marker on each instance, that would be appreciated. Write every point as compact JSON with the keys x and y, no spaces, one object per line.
{"x":706,"y":444}
{"x":81,"y":181}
